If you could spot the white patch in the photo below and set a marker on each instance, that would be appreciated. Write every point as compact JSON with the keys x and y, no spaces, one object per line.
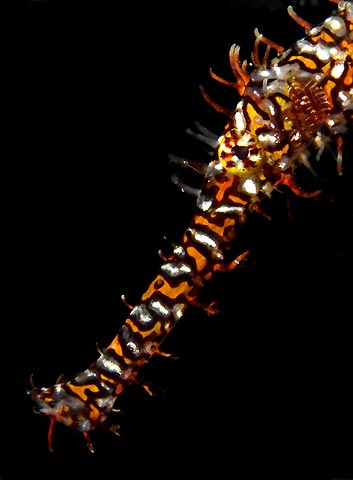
{"x":245,"y":140}
{"x":179,"y":251}
{"x":109,"y":364}
{"x":337,"y":124}
{"x":284,"y":162}
{"x":84,"y":425}
{"x":85,"y":376}
{"x":175,"y":270}
{"x":239,"y":121}
{"x":269,"y":138}
{"x":315,"y":30}
{"x":217,"y":166}
{"x":346,"y":100}
{"x":141,"y":313}
{"x":106,"y":386}
{"x":167,"y":326}
{"x":271,"y":109}
{"x":337,"y":70}
{"x":229,"y":209}
{"x":178,"y":310}
{"x":133,"y":348}
{"x":343,"y":97}
{"x":264,"y":73}
{"x":159,"y":308}
{"x":336,"y":26}
{"x":267,"y":189}
{"x":323,"y":53}
{"x":296,"y":136}
{"x":306,"y":47}
{"x":204,"y":203}
{"x":203,"y":238}
{"x":250,"y":186}
{"x":105,"y":402}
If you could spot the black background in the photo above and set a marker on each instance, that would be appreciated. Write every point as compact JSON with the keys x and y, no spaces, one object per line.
{"x":94,"y":97}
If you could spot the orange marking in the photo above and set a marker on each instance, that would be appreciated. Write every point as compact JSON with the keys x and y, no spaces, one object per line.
{"x":133,"y":326}
{"x":115,"y":345}
{"x":223,"y":188}
{"x":279,"y":154}
{"x":200,"y":260}
{"x":94,"y":413}
{"x":145,"y":334}
{"x":80,"y":391}
{"x":310,"y":64}
{"x":118,"y":388}
{"x":158,"y":328}
{"x":165,"y":288}
{"x":106,"y":379}
{"x":328,"y":87}
{"x":348,"y":79}
{"x":327,"y":38}
{"x":253,"y":115}
{"x":239,"y":200}
{"x":135,"y":329}
{"x":199,"y":220}
{"x":151,"y":289}
{"x":174,"y":292}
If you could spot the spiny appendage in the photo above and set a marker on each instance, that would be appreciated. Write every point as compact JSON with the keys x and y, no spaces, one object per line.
{"x":240,"y":69}
{"x":205,"y":136}
{"x":299,"y":20}
{"x":255,"y":57}
{"x":241,"y":74}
